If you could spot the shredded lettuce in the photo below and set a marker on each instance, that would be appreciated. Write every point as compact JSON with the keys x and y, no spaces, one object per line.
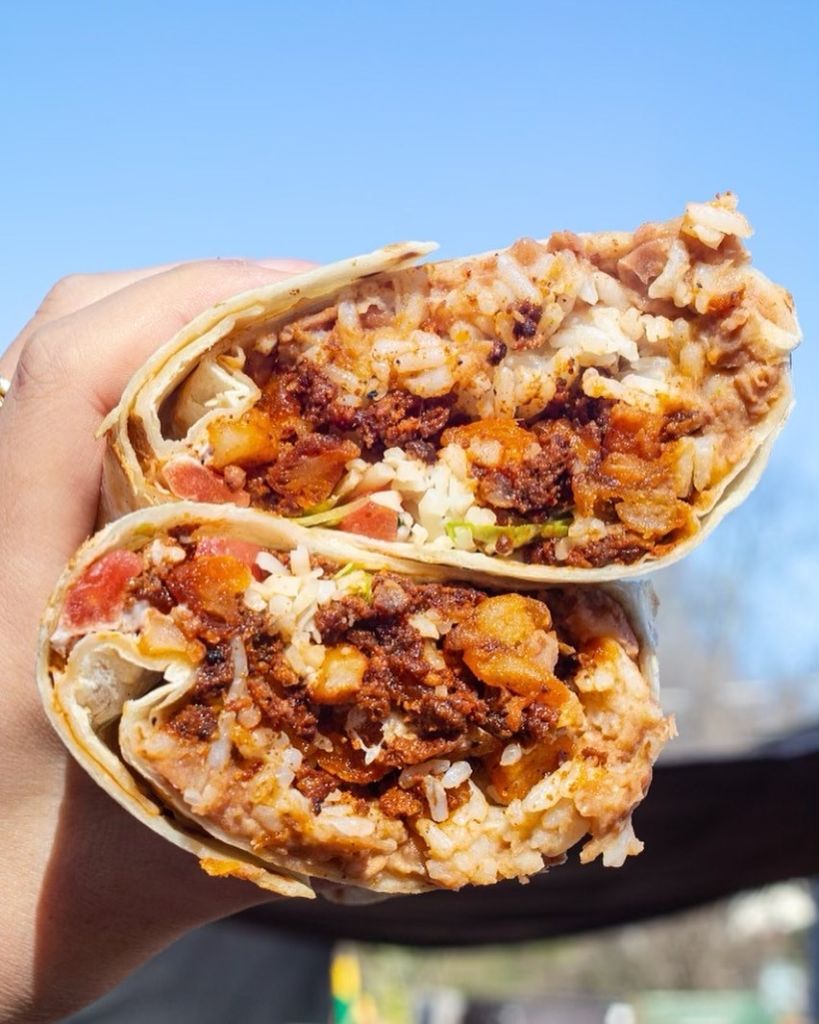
{"x":359,"y":581}
{"x":365,"y":588}
{"x":323,"y":506}
{"x":518,"y":533}
{"x":329,"y":513}
{"x":345,"y":571}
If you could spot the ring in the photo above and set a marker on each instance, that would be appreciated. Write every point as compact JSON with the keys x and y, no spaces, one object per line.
{"x":5,"y":384}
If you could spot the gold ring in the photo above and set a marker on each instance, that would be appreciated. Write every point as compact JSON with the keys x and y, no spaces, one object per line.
{"x":5,"y":384}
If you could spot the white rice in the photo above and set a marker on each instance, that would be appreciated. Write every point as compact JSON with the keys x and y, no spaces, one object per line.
{"x":436,"y":797}
{"x":512,"y":753}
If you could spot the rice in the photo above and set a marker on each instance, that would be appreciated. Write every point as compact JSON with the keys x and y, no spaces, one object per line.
{"x":436,"y":797}
{"x":711,"y":222}
{"x":254,"y":600}
{"x":478,"y":840}
{"x":425,"y":625}
{"x":160,"y":551}
{"x":220,"y":748}
{"x":703,"y":458}
{"x":617,"y":310}
{"x":268,"y":818}
{"x":347,"y":826}
{"x":249,"y":717}
{"x":431,"y":383}
{"x":672,"y":283}
{"x":238,"y":654}
{"x":409,"y":776}
{"x":299,"y":561}
{"x":597,"y":332}
{"x":440,"y":845}
{"x":268,"y":563}
{"x":428,"y":353}
{"x":512,"y":753}
{"x":456,"y":774}
{"x":515,"y":278}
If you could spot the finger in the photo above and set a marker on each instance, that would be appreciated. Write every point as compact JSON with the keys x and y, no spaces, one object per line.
{"x":71,"y":372}
{"x":131,"y":324}
{"x":68,"y":295}
{"x":76,"y":291}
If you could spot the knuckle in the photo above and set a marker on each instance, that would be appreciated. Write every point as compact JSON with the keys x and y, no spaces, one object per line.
{"x":64,"y":293}
{"x":217,"y":266}
{"x":67,"y":295}
{"x":43,"y":364}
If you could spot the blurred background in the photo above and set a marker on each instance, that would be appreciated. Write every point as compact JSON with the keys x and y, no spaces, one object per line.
{"x":142,"y":133}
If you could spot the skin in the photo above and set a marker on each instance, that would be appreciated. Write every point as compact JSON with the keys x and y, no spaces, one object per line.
{"x":88,"y":893}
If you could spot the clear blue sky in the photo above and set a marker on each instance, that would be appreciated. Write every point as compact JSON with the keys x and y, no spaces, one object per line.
{"x":143,"y":132}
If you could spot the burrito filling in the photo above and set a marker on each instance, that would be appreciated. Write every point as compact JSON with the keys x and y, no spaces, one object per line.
{"x":366,"y":725}
{"x":579,"y":401}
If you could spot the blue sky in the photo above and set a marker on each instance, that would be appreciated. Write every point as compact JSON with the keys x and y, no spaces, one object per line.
{"x":138,"y":133}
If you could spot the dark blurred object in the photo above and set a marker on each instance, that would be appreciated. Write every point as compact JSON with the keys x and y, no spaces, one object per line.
{"x":223,"y":972}
{"x":711,"y":828}
{"x":813,"y":958}
{"x":537,"y":1011}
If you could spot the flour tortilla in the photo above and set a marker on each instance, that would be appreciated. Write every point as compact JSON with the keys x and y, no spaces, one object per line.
{"x":136,"y":443}
{"x":85,"y":704}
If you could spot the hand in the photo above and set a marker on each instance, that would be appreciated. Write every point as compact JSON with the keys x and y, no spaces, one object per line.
{"x":87,"y":892}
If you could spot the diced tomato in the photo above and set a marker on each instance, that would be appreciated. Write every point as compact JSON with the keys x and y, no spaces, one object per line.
{"x":98,"y":596}
{"x":372,"y":520}
{"x":213,"y":584}
{"x":243,"y":550}
{"x":189,"y":479}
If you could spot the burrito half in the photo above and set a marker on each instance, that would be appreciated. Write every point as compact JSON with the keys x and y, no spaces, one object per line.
{"x":586,"y":407}
{"x":292,"y":708}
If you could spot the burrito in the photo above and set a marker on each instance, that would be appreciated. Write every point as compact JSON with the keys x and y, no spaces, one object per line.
{"x":315,"y":716}
{"x":581,"y":408}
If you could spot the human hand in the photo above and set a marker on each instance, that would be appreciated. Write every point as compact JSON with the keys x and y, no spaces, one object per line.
{"x":88,"y":892}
